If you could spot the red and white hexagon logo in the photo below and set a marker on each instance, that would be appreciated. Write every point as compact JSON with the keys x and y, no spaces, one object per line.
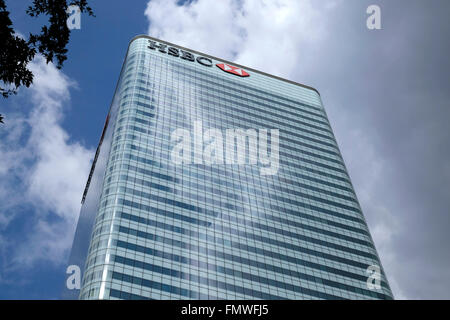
{"x":234,"y":70}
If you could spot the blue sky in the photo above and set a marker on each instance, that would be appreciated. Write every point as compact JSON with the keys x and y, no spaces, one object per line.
{"x":95,"y":56}
{"x":385,"y":91}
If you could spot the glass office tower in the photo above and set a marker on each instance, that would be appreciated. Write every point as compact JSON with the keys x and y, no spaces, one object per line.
{"x":263,"y":227}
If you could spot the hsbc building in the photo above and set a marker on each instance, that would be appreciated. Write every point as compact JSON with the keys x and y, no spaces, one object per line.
{"x":150,"y":228}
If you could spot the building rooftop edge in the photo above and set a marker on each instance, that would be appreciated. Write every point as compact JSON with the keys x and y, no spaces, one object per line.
{"x":226,"y":61}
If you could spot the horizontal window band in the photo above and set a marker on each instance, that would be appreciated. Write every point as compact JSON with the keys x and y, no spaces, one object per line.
{"x":216,"y":283}
{"x":234,"y":197}
{"x":277,"y":116}
{"x":155,"y":285}
{"x":285,"y":137}
{"x":242,"y":221}
{"x":236,"y":245}
{"x":138,"y":89}
{"x":146,"y":208}
{"x":274,"y":206}
{"x":288,"y":172}
{"x":240,"y":110}
{"x":285,"y":147}
{"x":287,"y":190}
{"x":246,"y":275}
{"x":113,"y":293}
{"x":282,"y":153}
{"x":282,"y":179}
{"x":255,"y":237}
{"x":298,"y":203}
{"x":234,"y":258}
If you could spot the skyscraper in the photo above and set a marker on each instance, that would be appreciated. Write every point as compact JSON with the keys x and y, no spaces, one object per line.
{"x":215,"y":181}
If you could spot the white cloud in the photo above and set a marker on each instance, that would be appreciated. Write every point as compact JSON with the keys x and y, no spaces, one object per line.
{"x":42,"y":173}
{"x":250,"y":32}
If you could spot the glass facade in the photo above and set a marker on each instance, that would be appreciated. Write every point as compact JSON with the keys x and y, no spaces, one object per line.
{"x":151,"y":228}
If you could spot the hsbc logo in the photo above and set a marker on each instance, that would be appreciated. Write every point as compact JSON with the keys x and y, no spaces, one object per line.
{"x":233,"y":70}
{"x":188,"y":56}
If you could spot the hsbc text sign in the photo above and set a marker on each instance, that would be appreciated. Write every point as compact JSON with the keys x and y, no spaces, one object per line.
{"x":204,"y":61}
